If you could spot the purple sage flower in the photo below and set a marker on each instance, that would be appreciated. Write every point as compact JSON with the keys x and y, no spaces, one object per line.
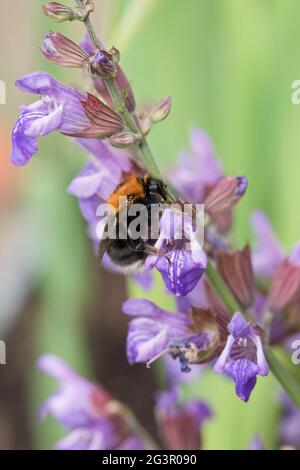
{"x":196,"y":170}
{"x":94,"y":419}
{"x":59,"y":109}
{"x":181,"y":267}
{"x":181,"y":422}
{"x":154,"y":332}
{"x":243,"y":357}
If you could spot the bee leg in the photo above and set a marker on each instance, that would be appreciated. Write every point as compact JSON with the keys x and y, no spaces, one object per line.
{"x":151,"y":250}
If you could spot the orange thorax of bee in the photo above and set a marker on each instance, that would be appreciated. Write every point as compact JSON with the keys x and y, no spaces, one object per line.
{"x":132,"y":186}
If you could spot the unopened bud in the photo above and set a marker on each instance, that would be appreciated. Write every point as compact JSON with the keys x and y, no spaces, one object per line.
{"x":58,"y":12}
{"x":285,"y":287}
{"x":225,"y":194}
{"x":236,"y":270}
{"x":115,"y":55}
{"x":62,"y":51}
{"x":161,"y":110}
{"x":123,"y":139}
{"x":145,"y":123}
{"x":102,"y":64}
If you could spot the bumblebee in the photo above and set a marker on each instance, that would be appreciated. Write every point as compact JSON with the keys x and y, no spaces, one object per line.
{"x":127,"y":253}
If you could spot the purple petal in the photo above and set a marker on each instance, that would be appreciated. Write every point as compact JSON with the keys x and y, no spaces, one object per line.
{"x":86,"y":44}
{"x":132,"y":443}
{"x":72,"y":404}
{"x":44,"y":125}
{"x":268,"y":254}
{"x":219,"y":366}
{"x":198,"y":169}
{"x":55,"y":367}
{"x":39,"y":83}
{"x":242,"y":186}
{"x":141,"y":307}
{"x":114,"y":160}
{"x":145,"y":308}
{"x":87,"y":183}
{"x":88,"y":208}
{"x":243,"y":372}
{"x":239,"y":327}
{"x":180,"y":272}
{"x":153,"y":329}
{"x":93,"y":437}
{"x":144,"y":280}
{"x":146,"y":339}
{"x":60,"y":110}
{"x":199,"y":410}
{"x":73,"y":116}
{"x":23,"y":146}
{"x":263,"y":366}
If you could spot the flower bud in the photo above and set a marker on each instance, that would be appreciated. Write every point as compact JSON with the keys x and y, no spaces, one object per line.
{"x":145,"y":123}
{"x":236,"y":270}
{"x":123,"y":139}
{"x":181,"y":422}
{"x":115,"y":55}
{"x":58,"y":12}
{"x":161,"y":110}
{"x":102,"y":63}
{"x":285,"y":288}
{"x":225,"y":194}
{"x":62,"y":51}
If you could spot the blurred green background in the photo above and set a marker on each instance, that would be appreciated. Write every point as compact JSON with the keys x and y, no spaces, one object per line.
{"x":229,"y":66}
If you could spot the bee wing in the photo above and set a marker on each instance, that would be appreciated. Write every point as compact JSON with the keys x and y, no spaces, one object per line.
{"x":103,"y":245}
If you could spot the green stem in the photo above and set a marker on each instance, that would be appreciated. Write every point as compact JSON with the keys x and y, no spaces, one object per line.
{"x":140,"y":431}
{"x":149,"y":160}
{"x":284,"y":376}
{"x":118,"y":101}
{"x":120,"y":106}
{"x":89,"y":26}
{"x":221,"y":289}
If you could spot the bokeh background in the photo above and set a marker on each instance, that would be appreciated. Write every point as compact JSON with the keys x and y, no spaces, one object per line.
{"x":229,"y":66}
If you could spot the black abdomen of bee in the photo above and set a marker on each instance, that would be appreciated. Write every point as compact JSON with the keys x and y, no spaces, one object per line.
{"x":126,"y":252}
